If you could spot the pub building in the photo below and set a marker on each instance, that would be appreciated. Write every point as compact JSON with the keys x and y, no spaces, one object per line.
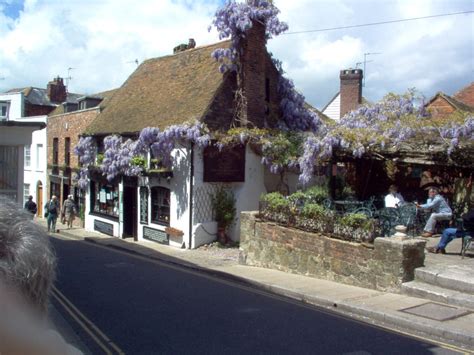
{"x":185,"y":87}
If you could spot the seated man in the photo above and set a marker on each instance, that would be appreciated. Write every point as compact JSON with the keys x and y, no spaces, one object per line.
{"x":394,"y":199}
{"x":450,"y":233}
{"x":27,"y":265}
{"x":440,"y":211}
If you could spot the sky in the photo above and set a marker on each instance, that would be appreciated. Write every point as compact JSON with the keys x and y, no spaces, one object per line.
{"x":93,"y":44}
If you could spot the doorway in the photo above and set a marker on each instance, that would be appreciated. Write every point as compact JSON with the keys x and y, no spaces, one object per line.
{"x":39,"y":199}
{"x":129,"y":204}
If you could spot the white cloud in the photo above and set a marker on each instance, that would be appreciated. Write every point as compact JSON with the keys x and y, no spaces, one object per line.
{"x":101,"y":39}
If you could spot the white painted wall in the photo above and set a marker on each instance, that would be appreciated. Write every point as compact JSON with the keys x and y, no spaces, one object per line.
{"x":247,"y":195}
{"x":333,"y":110}
{"x":179,"y":196}
{"x":37,"y":172}
{"x":16,"y":104}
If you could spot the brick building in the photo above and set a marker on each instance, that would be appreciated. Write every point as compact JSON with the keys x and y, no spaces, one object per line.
{"x":65,"y":124}
{"x":174,"y":89}
{"x":29,"y":106}
{"x":443,"y":105}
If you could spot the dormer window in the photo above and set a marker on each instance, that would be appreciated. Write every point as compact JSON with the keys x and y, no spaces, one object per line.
{"x":4,"y":110}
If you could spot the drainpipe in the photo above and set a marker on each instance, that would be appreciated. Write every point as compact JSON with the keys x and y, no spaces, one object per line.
{"x":191,"y":178}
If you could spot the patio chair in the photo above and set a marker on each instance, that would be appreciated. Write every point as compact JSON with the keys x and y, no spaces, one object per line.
{"x":466,"y":237}
{"x":407,"y":217}
{"x":364,"y":210}
{"x":328,"y":204}
{"x":388,"y":218}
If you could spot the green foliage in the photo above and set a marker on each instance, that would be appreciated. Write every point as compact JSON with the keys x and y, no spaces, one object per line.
{"x":282,"y":147}
{"x":356,"y":220}
{"x":275,"y":202}
{"x":313,"y":210}
{"x":100,"y":158}
{"x":138,"y":161}
{"x":223,"y":205}
{"x":317,"y":193}
{"x":297,"y":197}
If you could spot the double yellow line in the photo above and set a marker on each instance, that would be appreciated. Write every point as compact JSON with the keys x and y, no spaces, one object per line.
{"x":85,"y":323}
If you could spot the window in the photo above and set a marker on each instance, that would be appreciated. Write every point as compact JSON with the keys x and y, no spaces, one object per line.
{"x":26,"y":192}
{"x":55,"y":151}
{"x":104,"y":199}
{"x":67,"y":151}
{"x":160,"y":205}
{"x":39,"y":156}
{"x":27,"y":156}
{"x":3,"y":110}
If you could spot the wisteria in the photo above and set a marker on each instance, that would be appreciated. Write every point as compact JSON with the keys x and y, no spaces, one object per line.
{"x":86,"y":151}
{"x":388,"y":124}
{"x":234,"y":19}
{"x":296,"y":116}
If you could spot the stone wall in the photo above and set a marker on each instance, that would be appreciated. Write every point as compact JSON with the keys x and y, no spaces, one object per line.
{"x":383,"y":265}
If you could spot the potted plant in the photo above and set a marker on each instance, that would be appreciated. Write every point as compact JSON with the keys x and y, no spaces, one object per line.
{"x":223,"y":206}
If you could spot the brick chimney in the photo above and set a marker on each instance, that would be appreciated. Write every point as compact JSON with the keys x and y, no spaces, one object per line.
{"x":56,"y":90}
{"x":351,"y":89}
{"x":253,"y":60}
{"x":183,"y":46}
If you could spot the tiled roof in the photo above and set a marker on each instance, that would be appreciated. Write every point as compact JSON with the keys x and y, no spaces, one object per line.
{"x":163,"y":91}
{"x":105,"y":95}
{"x":38,"y":96}
{"x":458,"y":105}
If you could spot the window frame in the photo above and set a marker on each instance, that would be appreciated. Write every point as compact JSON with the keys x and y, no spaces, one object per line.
{"x":159,"y":205}
{"x":55,"y":151}
{"x":27,"y":157}
{"x":109,"y":209}
{"x":67,"y":151}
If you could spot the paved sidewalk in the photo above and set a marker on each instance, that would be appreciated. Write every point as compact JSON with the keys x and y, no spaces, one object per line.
{"x":374,"y":307}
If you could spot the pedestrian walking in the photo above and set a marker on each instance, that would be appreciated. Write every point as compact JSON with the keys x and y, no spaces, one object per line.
{"x":30,"y":206}
{"x":51,"y":213}
{"x":69,"y":211}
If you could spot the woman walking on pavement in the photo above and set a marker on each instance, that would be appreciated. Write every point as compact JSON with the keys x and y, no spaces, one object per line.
{"x":69,"y":211}
{"x":51,"y":213}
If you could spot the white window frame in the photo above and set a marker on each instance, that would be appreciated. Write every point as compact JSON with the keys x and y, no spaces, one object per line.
{"x":27,"y":156}
{"x":39,"y":156}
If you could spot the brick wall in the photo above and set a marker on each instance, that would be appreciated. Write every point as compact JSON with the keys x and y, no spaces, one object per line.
{"x":257,"y":68}
{"x":37,"y":110}
{"x":382,"y":266}
{"x":440,"y":107}
{"x":466,"y":95}
{"x":68,"y":125}
{"x":351,"y":90}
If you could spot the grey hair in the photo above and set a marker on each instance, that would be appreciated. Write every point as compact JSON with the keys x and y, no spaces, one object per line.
{"x":27,"y":261}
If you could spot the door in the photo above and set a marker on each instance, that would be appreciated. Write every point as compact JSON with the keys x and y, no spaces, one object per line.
{"x":129,"y":212}
{"x":39,"y":199}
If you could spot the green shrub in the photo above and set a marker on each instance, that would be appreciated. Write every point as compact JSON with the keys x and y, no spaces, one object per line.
{"x":275,"y":202}
{"x":138,"y":161}
{"x":297,"y":198}
{"x":100,"y":158}
{"x":313,"y":210}
{"x":356,"y":220}
{"x":317,"y":194}
{"x":223,"y":205}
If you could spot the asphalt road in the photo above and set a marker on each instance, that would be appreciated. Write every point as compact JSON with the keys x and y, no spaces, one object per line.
{"x":116,"y":302}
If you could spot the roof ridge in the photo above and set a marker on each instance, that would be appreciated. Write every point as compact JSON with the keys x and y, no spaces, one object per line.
{"x":203,"y":47}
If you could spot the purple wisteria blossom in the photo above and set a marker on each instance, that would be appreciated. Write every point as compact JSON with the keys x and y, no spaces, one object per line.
{"x":235,"y":18}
